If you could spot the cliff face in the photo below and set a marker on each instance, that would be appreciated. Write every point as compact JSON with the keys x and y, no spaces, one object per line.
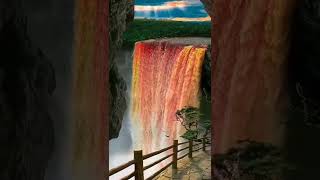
{"x":121,"y":12}
{"x":303,"y":126}
{"x":249,"y":76}
{"x":50,"y":26}
{"x":27,"y":81}
{"x":206,"y":75}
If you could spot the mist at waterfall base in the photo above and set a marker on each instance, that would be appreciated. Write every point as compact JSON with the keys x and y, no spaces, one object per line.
{"x":166,"y":77}
{"x":121,"y":148}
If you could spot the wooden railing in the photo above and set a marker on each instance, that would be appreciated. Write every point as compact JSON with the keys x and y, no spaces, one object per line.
{"x":139,"y":169}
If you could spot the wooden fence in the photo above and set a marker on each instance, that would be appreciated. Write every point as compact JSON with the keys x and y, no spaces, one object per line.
{"x":139,"y":169}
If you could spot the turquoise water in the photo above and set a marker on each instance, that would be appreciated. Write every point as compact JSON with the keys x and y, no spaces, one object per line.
{"x":161,"y":9}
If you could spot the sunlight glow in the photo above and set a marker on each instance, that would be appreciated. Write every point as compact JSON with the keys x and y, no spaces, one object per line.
{"x":165,"y":6}
{"x":192,"y":19}
{"x":183,"y":10}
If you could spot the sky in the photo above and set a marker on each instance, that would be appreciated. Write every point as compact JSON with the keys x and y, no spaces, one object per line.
{"x":185,"y":10}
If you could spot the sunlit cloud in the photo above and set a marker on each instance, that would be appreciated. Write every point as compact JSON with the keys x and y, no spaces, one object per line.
{"x":201,"y":19}
{"x":183,"y":10}
{"x":165,"y":6}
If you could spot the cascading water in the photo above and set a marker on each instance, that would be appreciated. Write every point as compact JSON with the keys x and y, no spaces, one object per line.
{"x":166,"y":78}
{"x":120,"y":149}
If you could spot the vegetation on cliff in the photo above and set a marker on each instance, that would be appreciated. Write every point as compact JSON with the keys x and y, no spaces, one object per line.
{"x":190,"y":118}
{"x":143,"y":29}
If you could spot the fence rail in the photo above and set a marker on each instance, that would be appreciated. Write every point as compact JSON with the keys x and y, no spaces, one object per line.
{"x":139,"y":169}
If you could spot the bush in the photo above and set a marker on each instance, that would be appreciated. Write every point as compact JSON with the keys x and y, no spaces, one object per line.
{"x":190,"y":118}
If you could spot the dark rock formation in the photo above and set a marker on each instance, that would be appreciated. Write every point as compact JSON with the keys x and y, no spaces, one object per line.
{"x":305,"y":55}
{"x":26,"y":82}
{"x":304,"y":76}
{"x":118,"y":101}
{"x":206,"y":75}
{"x":51,"y":27}
{"x":121,"y":12}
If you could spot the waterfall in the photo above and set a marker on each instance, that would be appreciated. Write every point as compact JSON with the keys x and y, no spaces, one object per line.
{"x":166,"y":77}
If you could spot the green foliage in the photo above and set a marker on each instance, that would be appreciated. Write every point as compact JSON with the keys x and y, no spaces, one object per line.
{"x":251,"y":160}
{"x":143,"y":29}
{"x":205,"y":123}
{"x":190,"y":118}
{"x":190,"y":134}
{"x":189,"y":114}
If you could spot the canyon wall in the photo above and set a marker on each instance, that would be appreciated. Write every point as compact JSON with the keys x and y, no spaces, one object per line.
{"x":121,"y":12}
{"x":50,"y":27}
{"x":54,"y":87}
{"x":249,"y":77}
{"x":28,"y":84}
{"x":303,"y":125}
{"x":54,"y":121}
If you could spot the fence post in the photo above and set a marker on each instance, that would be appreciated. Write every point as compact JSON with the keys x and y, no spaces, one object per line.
{"x":175,"y":154}
{"x":204,"y":144}
{"x":190,"y":148}
{"x":138,"y":165}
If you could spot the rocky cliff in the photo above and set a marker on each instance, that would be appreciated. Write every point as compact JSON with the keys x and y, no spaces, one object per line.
{"x":27,"y":81}
{"x":121,"y":12}
{"x":206,"y":75}
{"x":304,"y":119}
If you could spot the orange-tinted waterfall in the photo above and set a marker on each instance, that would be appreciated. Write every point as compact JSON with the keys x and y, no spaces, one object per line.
{"x":166,"y":77}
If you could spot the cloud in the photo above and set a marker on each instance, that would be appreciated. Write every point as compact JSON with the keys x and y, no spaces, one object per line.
{"x":199,"y":19}
{"x":164,"y":6}
{"x":202,"y":19}
{"x":184,"y":10}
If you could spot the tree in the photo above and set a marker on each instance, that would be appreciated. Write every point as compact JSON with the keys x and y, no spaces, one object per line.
{"x":190,"y":119}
